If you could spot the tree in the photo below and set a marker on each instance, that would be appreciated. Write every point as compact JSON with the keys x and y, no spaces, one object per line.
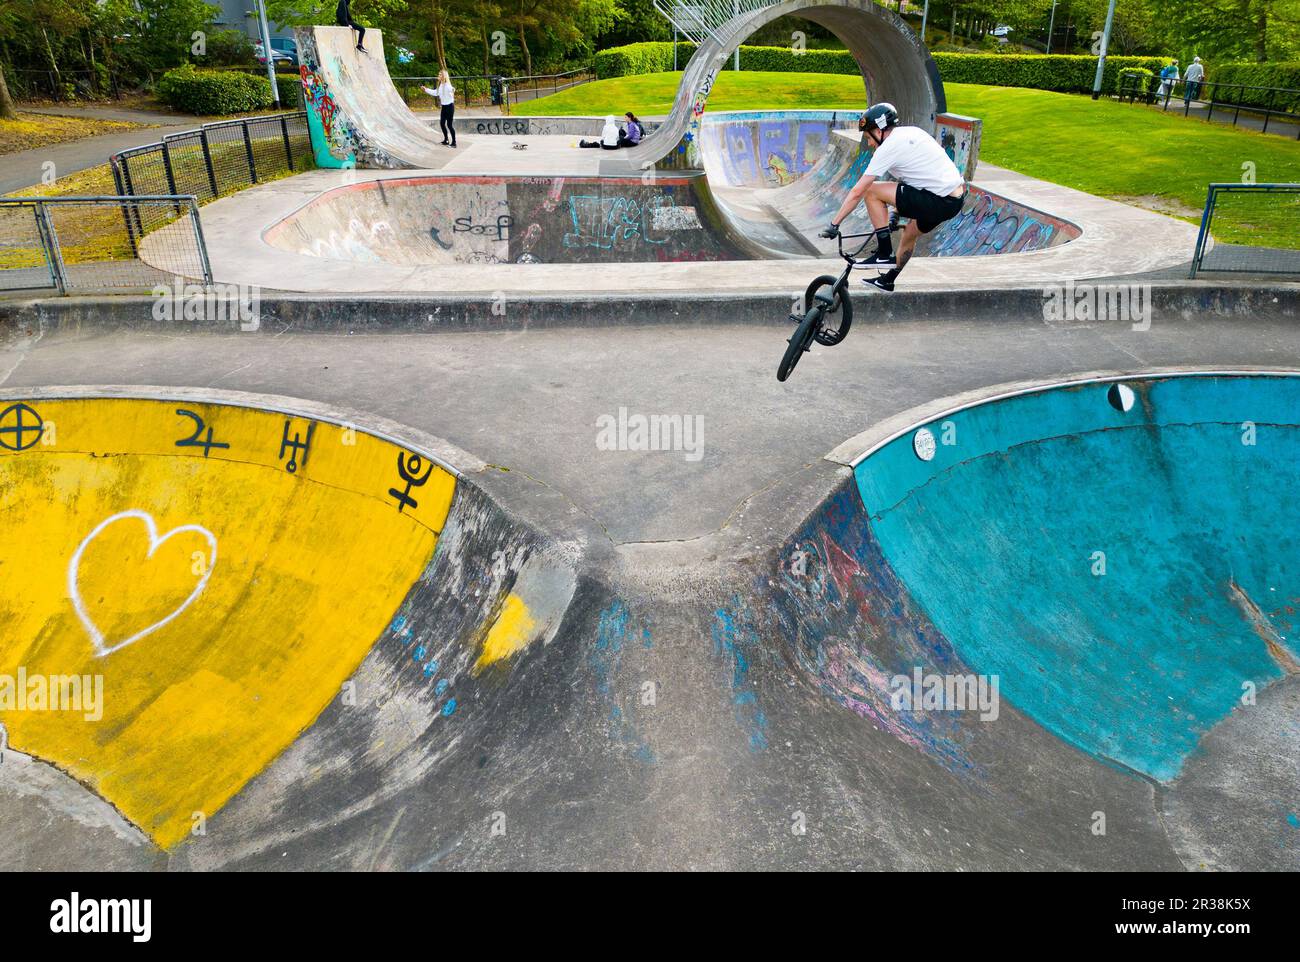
{"x":1257,"y":30}
{"x":7,"y":109}
{"x":570,"y":22}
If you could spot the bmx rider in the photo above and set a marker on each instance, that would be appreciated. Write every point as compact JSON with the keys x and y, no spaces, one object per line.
{"x":929,"y":190}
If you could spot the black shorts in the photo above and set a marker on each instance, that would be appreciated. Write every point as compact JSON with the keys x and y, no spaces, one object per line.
{"x":928,"y":209}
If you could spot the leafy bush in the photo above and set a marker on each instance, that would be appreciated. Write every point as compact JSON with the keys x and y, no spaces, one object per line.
{"x":1065,"y":73}
{"x":228,"y":48}
{"x":214,"y":92}
{"x":1285,"y":75}
{"x":1142,"y":75}
{"x":290,"y":85}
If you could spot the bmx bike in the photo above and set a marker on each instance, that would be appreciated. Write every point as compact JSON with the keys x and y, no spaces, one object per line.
{"x":827,"y":307}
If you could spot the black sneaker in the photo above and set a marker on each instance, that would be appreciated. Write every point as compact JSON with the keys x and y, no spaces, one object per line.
{"x":880,"y":283}
{"x":883,"y":262}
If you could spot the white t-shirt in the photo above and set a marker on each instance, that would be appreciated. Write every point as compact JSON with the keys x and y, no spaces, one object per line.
{"x":912,"y":156}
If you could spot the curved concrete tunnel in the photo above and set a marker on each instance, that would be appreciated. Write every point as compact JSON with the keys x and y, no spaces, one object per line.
{"x":895,"y":67}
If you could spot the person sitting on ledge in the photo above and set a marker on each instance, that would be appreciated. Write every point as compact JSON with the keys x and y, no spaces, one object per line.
{"x":610,"y":137}
{"x":632,"y":135}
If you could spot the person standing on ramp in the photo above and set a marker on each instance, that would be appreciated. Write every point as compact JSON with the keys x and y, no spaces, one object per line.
{"x":929,"y":190}
{"x":343,"y":17}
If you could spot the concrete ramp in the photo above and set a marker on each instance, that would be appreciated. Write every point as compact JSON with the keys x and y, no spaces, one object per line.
{"x":354,"y":113}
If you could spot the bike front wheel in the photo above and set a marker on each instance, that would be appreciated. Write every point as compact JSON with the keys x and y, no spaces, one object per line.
{"x":840,"y":308}
{"x":800,"y":341}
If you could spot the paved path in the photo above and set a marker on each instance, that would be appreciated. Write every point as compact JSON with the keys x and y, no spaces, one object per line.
{"x":133,"y":115}
{"x":1223,"y":115}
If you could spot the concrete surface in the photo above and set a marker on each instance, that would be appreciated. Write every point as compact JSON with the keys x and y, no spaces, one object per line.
{"x":239,"y":254}
{"x":555,"y":758}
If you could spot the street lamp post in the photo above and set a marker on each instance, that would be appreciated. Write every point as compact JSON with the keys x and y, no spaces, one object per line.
{"x":925,"y":15}
{"x":266,"y":49}
{"x":735,"y":10}
{"x":1051,"y":26}
{"x":1105,"y":42}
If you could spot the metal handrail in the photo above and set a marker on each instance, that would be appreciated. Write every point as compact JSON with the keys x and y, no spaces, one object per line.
{"x":49,"y":235}
{"x":1207,"y":215}
{"x":215,"y":125}
{"x":708,"y":19}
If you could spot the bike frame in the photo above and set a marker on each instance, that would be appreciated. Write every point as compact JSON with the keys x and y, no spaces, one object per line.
{"x":853,"y":259}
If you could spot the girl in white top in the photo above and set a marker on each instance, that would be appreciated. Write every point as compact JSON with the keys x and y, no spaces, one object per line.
{"x":445,"y":95}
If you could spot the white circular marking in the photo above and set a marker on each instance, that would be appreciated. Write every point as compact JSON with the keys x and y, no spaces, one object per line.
{"x":923,"y":444}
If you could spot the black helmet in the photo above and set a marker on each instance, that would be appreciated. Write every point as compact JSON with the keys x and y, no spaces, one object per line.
{"x":879,"y":116}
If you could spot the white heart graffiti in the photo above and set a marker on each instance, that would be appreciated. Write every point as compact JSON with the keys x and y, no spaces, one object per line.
{"x":97,"y":640}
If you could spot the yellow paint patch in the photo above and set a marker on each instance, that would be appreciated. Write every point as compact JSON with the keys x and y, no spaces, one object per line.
{"x":220,"y":642}
{"x":512,"y":630}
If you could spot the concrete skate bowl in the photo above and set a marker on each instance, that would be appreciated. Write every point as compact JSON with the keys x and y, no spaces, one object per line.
{"x":1114,"y":553}
{"x":445,"y":220}
{"x":491,"y":220}
{"x":780,"y":177}
{"x":268,"y":598}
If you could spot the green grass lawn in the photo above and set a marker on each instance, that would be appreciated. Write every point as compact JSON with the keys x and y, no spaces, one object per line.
{"x":1114,"y":150}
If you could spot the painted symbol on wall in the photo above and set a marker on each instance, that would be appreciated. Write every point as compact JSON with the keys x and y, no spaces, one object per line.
{"x":296,"y":445}
{"x":194,"y":441}
{"x":17,"y":432}
{"x":102,"y":645}
{"x":408,"y":469}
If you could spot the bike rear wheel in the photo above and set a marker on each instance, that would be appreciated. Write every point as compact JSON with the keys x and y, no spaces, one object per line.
{"x":800,"y":341}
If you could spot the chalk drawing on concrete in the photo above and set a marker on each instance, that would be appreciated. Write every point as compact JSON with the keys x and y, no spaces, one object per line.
{"x":97,"y":640}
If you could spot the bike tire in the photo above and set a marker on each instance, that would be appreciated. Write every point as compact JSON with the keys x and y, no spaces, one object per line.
{"x":800,"y":341}
{"x":842,"y":305}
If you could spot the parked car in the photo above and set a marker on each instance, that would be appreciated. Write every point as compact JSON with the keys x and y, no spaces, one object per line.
{"x":286,"y":45}
{"x":278,"y":56}
{"x":1001,"y":30}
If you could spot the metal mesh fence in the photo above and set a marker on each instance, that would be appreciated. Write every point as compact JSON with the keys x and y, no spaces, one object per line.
{"x":1251,"y":229}
{"x":215,"y":160}
{"x":87,"y":244}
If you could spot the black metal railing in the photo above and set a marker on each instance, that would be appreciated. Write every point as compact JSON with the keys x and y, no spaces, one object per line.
{"x":1273,"y":213}
{"x":216,"y":159}
{"x":83,"y":244}
{"x":1269,"y":104}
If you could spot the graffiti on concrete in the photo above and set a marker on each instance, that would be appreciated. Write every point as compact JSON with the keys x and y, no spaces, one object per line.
{"x":767,"y":154}
{"x":332,"y":135}
{"x":851,"y":627}
{"x":960,"y":139}
{"x":509,"y":220}
{"x":990,"y":224}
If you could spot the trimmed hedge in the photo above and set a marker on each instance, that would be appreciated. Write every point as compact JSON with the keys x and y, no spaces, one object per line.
{"x":215,"y":92}
{"x":1064,"y":73}
{"x":1286,"y":75}
{"x":290,"y":85}
{"x":1060,"y":72}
